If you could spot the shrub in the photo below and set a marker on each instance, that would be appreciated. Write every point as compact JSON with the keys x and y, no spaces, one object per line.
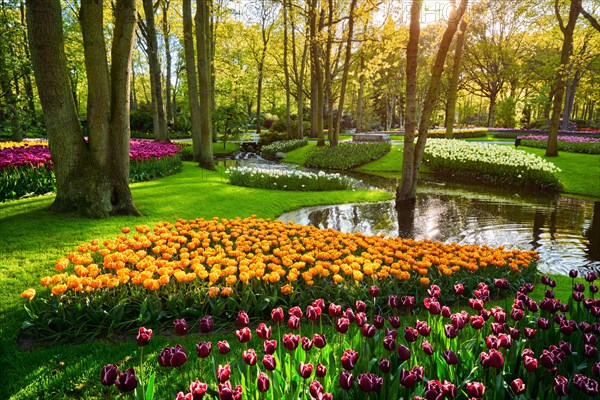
{"x":268,"y":137}
{"x":346,"y":155}
{"x":490,"y":163}
{"x":141,"y":119}
{"x":282,"y":146}
{"x":571,"y":144}
{"x":458,"y":133}
{"x":513,"y":133}
{"x":285,"y":179}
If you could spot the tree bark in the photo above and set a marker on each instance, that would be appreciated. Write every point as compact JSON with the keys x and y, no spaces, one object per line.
{"x":168,"y":59}
{"x":408,"y":187}
{"x":567,"y":47}
{"x":158,"y":105}
{"x":190,"y":68}
{"x":316,"y":78}
{"x":286,"y":71}
{"x":203,"y":40}
{"x":453,"y":89}
{"x":359,"y":100}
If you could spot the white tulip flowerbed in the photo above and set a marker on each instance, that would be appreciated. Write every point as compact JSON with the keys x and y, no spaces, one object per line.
{"x":285,"y":179}
{"x":488,"y":162}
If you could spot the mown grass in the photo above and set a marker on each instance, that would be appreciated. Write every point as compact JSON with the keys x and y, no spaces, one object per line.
{"x":33,"y":238}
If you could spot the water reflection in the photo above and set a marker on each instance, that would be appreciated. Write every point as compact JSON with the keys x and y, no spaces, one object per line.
{"x":565,"y":231}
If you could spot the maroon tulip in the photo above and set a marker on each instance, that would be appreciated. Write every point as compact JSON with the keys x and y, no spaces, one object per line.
{"x":492,"y":358}
{"x":226,"y":392}
{"x":423,"y":328}
{"x":316,"y":389}
{"x":590,"y":350}
{"x":427,"y":348}
{"x":566,"y":347}
{"x":596,"y":369}
{"x":407,"y":301}
{"x":530,"y":363}
{"x":360,"y":318}
{"x":369,"y":382}
{"x":373,"y":291}
{"x":360,"y":306}
{"x":346,"y":380}
{"x":410,"y":334}
{"x":475,"y":389}
{"x":269,"y":362}
{"x":393,"y":301}
{"x":334,"y":310}
{"x":320,"y":304}
{"x":313,"y":313}
{"x":349,"y":359}
{"x":385,"y":366}
{"x":578,"y":287}
{"x":543,"y":323}
{"x":144,"y":336}
{"x":206,"y":324}
{"x":501,"y":283}
{"x":591,"y":276}
{"x":321,"y":370}
{"x":459,"y":288}
{"x":561,"y":386}
{"x":517,"y":386}
{"x":306,"y":344}
{"x":450,"y":357}
{"x":573,"y":273}
{"x":390,"y":332}
{"x":178,"y":356}
{"x":432,"y":305}
{"x":450,"y":331}
{"x":262,"y":382}
{"x":223,"y":373}
{"x":319,"y":340}
{"x":497,"y":328}
{"x":180,"y":326}
{"x":476,"y":304}
{"x":408,"y":378}
{"x":250,"y":357}
{"x":395,"y":322}
{"x":378,"y":321}
{"x":164,"y":358}
{"x":516,"y":314}
{"x":477,"y":321}
{"x":198,"y":389}
{"x":403,"y":352}
{"x":514,"y":333}
{"x":297,"y":311}
{"x":277,"y":314}
{"x":549,"y":294}
{"x":290,"y":341}
{"x":223,"y":347}
{"x":263,"y":331}
{"x":368,"y":330}
{"x":242,"y":319}
{"x":434,"y":390}
{"x":244,"y":335}
{"x":389,"y":343}
{"x":203,"y":349}
{"x":449,"y":389}
{"x":529,"y":333}
{"x":269,"y":346}
{"x":342,"y":325}
{"x":305,"y":370}
{"x":293,"y":322}
{"x":126,"y":381}
{"x":446,"y":312}
{"x":108,"y":375}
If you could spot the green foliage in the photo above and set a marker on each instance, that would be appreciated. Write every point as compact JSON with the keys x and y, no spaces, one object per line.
{"x":141,"y":119}
{"x":459,"y":133}
{"x":284,"y":179}
{"x":24,"y":181}
{"x":571,"y":147}
{"x":345,"y":155}
{"x":282,"y":146}
{"x":270,"y":136}
{"x":153,"y":168}
{"x":505,"y":112}
{"x":230,"y":119}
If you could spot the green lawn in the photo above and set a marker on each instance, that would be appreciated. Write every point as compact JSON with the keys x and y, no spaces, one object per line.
{"x":33,"y":238}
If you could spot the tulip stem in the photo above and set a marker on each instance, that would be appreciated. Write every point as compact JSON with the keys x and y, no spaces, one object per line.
{"x":141,"y":363}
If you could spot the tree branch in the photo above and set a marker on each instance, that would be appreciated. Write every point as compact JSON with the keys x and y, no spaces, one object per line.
{"x":593,"y":21}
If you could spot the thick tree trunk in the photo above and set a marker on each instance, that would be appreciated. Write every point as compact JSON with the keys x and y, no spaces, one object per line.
{"x":190,"y":68}
{"x":453,"y":89}
{"x":574,"y":10}
{"x":359,"y":100}
{"x":490,"y":116}
{"x":316,"y":79}
{"x":408,"y":187}
{"x":203,"y":40}
{"x":158,"y":105}
{"x":261,"y":64}
{"x":286,"y":71}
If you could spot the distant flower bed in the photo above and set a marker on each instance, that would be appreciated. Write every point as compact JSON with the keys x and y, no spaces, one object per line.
{"x":346,"y":155}
{"x":492,"y":163}
{"x":458,"y":133}
{"x":220,"y":266}
{"x":572,"y":144}
{"x":286,"y":179}
{"x":513,"y":133}
{"x":282,"y":146}
{"x":26,"y":167}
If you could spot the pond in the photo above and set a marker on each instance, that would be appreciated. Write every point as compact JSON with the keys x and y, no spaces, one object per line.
{"x":564,"y":231}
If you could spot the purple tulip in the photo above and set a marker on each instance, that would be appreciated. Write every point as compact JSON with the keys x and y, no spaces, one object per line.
{"x":249,"y":357}
{"x":269,"y":346}
{"x":321,"y":370}
{"x":373,"y":291}
{"x":369,"y":382}
{"x":180,"y":326}
{"x":242,"y":319}
{"x":144,"y":336}
{"x":262,"y":382}
{"x":305,"y":370}
{"x":198,"y":389}
{"x":223,"y":347}
{"x":319,"y":340}
{"x":349,"y":359}
{"x":126,"y":381}
{"x":108,"y":375}
{"x":403,"y":352}
{"x":207,"y":325}
{"x":290,"y":341}
{"x":203,"y":349}
{"x":346,"y":380}
{"x":244,"y":335}
{"x":178,"y":356}
{"x":475,"y":389}
{"x":223,"y":373}
{"x":269,"y":362}
{"x":450,"y":357}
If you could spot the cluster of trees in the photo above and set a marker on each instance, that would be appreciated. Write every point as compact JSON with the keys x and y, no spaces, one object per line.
{"x":491,"y":62}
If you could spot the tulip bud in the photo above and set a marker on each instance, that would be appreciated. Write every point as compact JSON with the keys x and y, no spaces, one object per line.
{"x":242,"y":319}
{"x":263,"y":331}
{"x":223,"y":347}
{"x":249,"y":357}
{"x":277,"y":314}
{"x":144,"y":336}
{"x":305,"y":370}
{"x":269,"y":362}
{"x":517,"y":386}
{"x":262,"y":382}
{"x":180,"y":326}
{"x":269,"y":346}
{"x":346,"y":380}
{"x":206,"y":324}
{"x":319,"y":340}
{"x":108,"y":375}
{"x":203,"y":349}
{"x":223,"y":373}
{"x":321,"y":370}
{"x":126,"y":381}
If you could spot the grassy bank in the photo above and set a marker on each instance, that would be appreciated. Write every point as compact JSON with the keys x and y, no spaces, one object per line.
{"x":37,"y":237}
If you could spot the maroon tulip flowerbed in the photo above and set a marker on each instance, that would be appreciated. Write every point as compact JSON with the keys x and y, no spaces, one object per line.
{"x":382,"y":349}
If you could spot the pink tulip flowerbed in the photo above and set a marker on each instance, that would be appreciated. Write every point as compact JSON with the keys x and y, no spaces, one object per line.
{"x":572,"y":144}
{"x":383,"y":348}
{"x":27,"y":169}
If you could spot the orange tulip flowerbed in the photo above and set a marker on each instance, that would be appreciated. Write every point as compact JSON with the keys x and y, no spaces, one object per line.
{"x":220,"y":266}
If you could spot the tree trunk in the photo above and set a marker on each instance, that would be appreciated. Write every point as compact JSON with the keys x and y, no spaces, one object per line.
{"x":203,"y":10}
{"x":84,"y":183}
{"x":160,"y":121}
{"x":288,"y":118}
{"x":165,"y":29}
{"x":453,"y":89}
{"x":407,"y":190}
{"x":345,"y":72}
{"x":316,"y":79}
{"x":261,"y":64}
{"x":359,"y":100}
{"x":571,"y":89}
{"x":574,"y":10}
{"x":190,"y":69}
{"x":490,"y":117}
